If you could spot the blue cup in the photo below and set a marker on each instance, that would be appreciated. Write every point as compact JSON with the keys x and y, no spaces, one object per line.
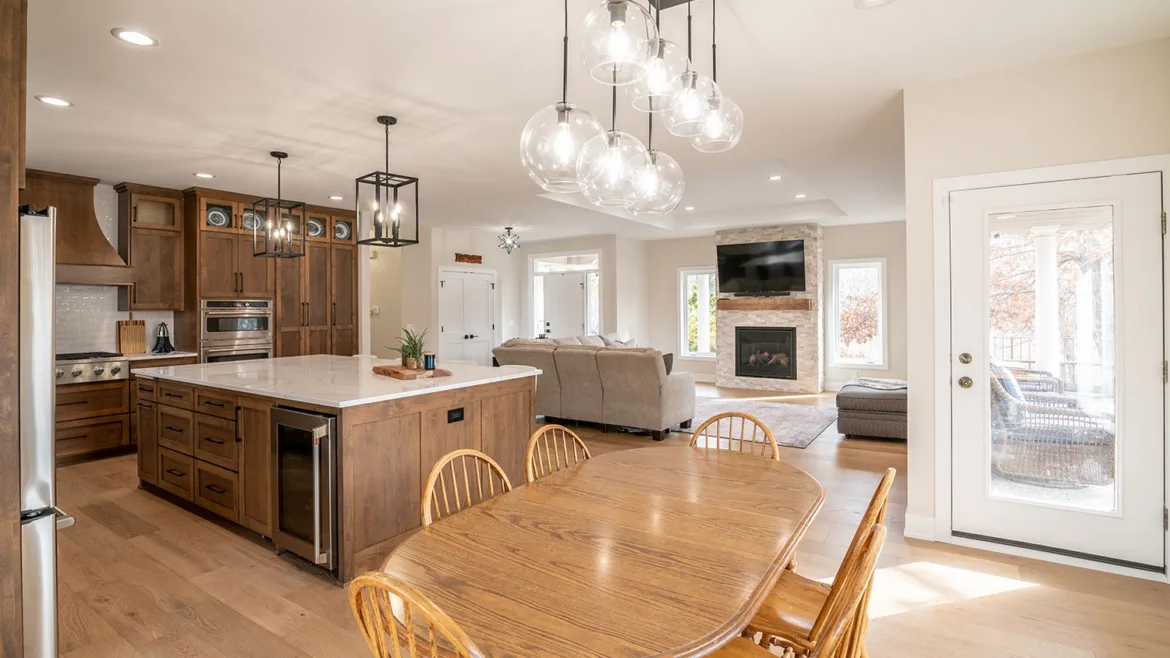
{"x":428,"y":361}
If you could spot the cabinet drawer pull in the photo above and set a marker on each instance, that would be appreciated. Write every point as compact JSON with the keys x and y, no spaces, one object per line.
{"x":146,"y":405}
{"x":146,"y":389}
{"x":217,"y":442}
{"x":215,"y":488}
{"x":214,"y":404}
{"x":70,"y":438}
{"x":66,"y":404}
{"x":176,"y":472}
{"x":173,"y":395}
{"x":174,"y":429}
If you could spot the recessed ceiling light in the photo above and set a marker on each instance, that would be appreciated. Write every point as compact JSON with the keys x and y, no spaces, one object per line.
{"x":54,"y":101}
{"x":689,"y":208}
{"x":336,"y":197}
{"x":134,"y":37}
{"x":775,"y":177}
{"x":801,"y":196}
{"x":203,"y":174}
{"x":870,"y":4}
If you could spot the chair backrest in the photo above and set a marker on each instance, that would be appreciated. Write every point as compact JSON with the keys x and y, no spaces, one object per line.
{"x":753,"y":436}
{"x":459,"y":480}
{"x":399,"y":622}
{"x":552,"y":448}
{"x":833,"y":625}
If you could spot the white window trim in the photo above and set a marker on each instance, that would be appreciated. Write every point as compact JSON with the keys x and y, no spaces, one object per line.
{"x":681,"y":353}
{"x":834,"y":316}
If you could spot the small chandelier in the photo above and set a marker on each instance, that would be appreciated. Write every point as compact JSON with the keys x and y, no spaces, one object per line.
{"x":509,"y":240}
{"x":722,"y":123}
{"x":387,"y":203}
{"x":278,"y":225}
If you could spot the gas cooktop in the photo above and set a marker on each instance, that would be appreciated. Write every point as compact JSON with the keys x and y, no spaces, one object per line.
{"x":88,"y":367}
{"x":82,"y":356}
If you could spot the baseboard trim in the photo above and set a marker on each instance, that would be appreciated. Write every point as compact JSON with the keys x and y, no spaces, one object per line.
{"x":919,"y":527}
{"x":834,"y":386}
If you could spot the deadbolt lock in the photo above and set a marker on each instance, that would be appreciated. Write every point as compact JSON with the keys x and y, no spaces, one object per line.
{"x":966,"y":382}
{"x":964,"y":358}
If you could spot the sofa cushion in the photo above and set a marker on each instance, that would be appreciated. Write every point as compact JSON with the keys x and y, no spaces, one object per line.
{"x":571,"y":340}
{"x":595,"y":341}
{"x":581,"y":390}
{"x":614,"y":340}
{"x":527,"y":342}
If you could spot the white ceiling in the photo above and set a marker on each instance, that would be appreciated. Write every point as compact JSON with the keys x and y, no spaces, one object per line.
{"x":818,"y":80}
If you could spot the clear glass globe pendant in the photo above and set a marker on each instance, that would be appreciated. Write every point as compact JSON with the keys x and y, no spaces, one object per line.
{"x":657,"y":91}
{"x":661,"y":185}
{"x":551,"y":145}
{"x":619,"y":40}
{"x":696,"y":94}
{"x":608,"y":166}
{"x":722,"y":127}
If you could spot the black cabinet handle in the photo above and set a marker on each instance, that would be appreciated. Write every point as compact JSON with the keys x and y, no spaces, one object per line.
{"x":241,"y":282}
{"x":146,"y":389}
{"x":176,"y":472}
{"x":146,"y":405}
{"x":70,"y":438}
{"x":215,"y":488}
{"x":66,"y":404}
{"x":335,"y":314}
{"x":174,"y":429}
{"x":213,"y":404}
{"x":217,"y":442}
{"x":173,"y":395}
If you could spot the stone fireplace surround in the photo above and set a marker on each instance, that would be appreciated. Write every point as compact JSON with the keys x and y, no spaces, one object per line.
{"x":810,"y":369}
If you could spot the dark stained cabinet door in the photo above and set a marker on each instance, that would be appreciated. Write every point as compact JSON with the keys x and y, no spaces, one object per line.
{"x":318,"y":306}
{"x":256,"y":280}
{"x":147,"y":442}
{"x":252,"y":425}
{"x":343,"y":266}
{"x":217,"y":265}
{"x":290,"y":307}
{"x":157,"y":259}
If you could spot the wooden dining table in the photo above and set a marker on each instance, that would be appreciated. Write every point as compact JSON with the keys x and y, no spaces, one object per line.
{"x":663,"y":551}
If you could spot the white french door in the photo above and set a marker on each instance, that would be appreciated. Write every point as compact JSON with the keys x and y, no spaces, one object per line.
{"x":1057,"y":360}
{"x":466,"y":309}
{"x":564,"y":304}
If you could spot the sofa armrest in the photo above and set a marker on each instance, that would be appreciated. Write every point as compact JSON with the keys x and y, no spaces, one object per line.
{"x":678,"y":398}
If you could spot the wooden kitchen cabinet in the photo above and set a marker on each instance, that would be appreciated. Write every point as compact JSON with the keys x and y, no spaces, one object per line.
{"x":218,"y":278}
{"x":316,"y":295}
{"x":316,"y":306}
{"x":147,"y":422}
{"x":255,"y":460}
{"x":343,"y":282}
{"x":224,"y":250}
{"x":150,"y":239}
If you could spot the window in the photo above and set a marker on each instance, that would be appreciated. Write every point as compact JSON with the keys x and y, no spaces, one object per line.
{"x":697,"y":294}
{"x":857,"y":313}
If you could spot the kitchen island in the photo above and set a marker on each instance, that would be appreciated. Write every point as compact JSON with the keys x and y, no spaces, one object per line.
{"x":208,"y":434}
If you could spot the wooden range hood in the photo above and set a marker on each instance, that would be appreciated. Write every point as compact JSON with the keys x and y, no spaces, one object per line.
{"x":84,"y":255}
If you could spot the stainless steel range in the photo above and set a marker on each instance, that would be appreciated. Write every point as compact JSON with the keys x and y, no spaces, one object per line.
{"x":87,"y":367}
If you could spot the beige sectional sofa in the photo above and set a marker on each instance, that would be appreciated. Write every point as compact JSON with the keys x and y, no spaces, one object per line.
{"x":628,"y":387}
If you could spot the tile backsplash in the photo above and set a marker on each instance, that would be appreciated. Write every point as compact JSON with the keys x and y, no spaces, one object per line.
{"x":87,"y":315}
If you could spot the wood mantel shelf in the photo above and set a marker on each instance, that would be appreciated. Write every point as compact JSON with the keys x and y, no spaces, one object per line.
{"x":765,"y":304}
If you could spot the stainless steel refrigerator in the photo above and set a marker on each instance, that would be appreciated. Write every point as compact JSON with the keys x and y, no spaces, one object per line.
{"x":39,"y":517}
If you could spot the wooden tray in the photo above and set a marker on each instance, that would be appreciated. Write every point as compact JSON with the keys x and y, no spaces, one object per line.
{"x":132,"y":337}
{"x":398,"y":372}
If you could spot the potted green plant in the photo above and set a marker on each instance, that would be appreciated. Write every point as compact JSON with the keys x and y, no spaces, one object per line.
{"x":412,"y":346}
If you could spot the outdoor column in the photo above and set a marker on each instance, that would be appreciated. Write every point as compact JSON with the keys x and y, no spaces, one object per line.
{"x":1047,"y":325}
{"x":704,"y":319}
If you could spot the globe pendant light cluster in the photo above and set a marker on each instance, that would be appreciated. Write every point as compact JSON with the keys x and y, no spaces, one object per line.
{"x":565,"y":149}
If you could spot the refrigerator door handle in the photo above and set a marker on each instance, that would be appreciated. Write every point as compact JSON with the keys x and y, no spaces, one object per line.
{"x":64,"y":519}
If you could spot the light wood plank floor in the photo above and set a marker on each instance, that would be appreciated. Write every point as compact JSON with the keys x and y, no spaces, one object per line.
{"x":141,"y":577}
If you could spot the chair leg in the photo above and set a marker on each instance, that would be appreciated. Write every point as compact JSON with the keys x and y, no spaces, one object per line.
{"x":791,"y":566}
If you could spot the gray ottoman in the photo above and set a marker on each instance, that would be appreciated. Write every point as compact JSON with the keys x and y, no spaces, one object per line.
{"x":874,"y":408}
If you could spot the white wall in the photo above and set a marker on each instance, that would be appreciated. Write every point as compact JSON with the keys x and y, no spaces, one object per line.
{"x":885,"y":240}
{"x":385,"y":291}
{"x":664,"y":258}
{"x":633,"y":318}
{"x":1100,"y":106}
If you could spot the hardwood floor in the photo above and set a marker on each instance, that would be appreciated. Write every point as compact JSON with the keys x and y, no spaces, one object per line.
{"x":142,"y":577}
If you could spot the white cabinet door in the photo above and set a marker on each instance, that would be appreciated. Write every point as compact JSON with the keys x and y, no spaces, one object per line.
{"x":466,"y":316}
{"x":564,"y":304}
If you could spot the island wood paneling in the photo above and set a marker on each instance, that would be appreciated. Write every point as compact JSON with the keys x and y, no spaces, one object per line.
{"x":388,"y":448}
{"x":13,"y":15}
{"x":765,"y":304}
{"x":255,"y":455}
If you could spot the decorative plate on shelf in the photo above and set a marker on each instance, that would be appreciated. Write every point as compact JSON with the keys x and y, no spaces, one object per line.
{"x":342,"y":231}
{"x":218,"y":217}
{"x":250,"y":219}
{"x":316,"y":228}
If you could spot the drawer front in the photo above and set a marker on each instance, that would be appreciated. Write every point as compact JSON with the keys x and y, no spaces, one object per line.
{"x":176,"y":472}
{"x":83,"y":437}
{"x":175,"y":429}
{"x":77,"y":401}
{"x":215,"y":441}
{"x":145,"y":389}
{"x":215,"y":490}
{"x":216,"y":404}
{"x":176,"y":395}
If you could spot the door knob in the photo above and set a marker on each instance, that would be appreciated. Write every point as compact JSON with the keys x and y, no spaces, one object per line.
{"x":966,"y":382}
{"x":964,"y":358}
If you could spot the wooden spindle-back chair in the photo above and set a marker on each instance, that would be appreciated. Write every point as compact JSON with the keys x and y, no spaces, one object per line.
{"x":753,"y":436}
{"x":460,"y":479}
{"x":397,"y":621}
{"x":552,"y":448}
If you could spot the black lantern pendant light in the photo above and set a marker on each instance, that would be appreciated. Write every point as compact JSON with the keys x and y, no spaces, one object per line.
{"x":278,"y":224}
{"x":387,"y":204}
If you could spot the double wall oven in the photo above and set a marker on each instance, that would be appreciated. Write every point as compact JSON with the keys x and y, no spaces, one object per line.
{"x":235,"y":330}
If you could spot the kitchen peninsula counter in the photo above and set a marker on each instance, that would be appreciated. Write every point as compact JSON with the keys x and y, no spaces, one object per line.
{"x":206,"y":437}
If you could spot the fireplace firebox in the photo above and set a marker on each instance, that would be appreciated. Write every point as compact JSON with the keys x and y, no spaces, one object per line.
{"x":765,"y":352}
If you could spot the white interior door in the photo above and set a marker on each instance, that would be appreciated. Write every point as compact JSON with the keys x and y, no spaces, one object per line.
{"x":1057,"y":367}
{"x":466,"y":312}
{"x":564,"y":304}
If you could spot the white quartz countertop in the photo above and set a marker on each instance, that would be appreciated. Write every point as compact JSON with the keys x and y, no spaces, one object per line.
{"x":330,"y":381}
{"x":173,"y":355}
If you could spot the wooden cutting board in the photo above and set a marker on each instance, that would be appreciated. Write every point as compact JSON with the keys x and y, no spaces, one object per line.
{"x":132,"y":336}
{"x":398,"y":372}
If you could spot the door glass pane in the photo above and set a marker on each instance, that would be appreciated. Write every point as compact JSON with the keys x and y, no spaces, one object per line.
{"x":156,"y":213}
{"x":1053,"y":358}
{"x":296,"y":499}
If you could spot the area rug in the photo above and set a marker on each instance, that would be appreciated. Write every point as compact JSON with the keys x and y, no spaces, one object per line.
{"x":793,"y":425}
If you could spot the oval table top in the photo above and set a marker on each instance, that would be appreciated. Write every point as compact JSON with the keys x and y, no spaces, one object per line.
{"x":663,"y":551}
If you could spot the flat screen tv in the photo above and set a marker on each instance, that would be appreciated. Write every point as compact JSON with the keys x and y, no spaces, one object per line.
{"x":761,"y":268}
